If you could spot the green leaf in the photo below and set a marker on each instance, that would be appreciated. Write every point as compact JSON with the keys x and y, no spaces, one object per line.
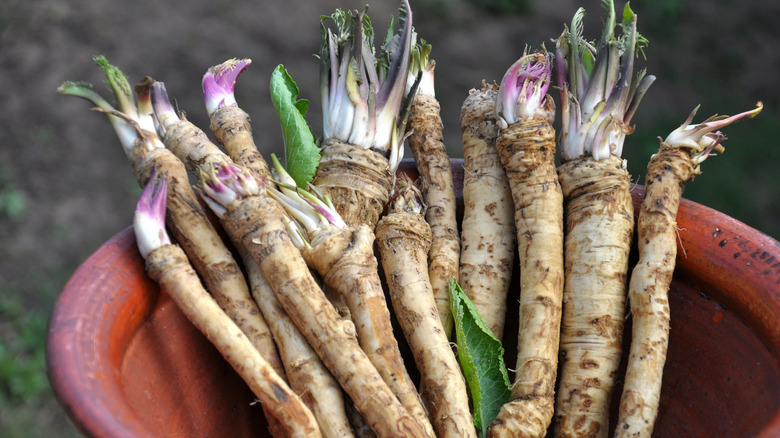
{"x":302,"y":155}
{"x":628,"y":14}
{"x":481,"y":357}
{"x":119,"y":85}
{"x":588,"y":62}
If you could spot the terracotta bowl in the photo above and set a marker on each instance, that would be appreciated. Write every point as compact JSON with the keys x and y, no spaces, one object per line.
{"x":124,"y":362}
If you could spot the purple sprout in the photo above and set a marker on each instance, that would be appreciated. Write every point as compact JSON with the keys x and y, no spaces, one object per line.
{"x":224,"y":184}
{"x":149,"y":217}
{"x":524,"y":88}
{"x":704,"y":138}
{"x":219,"y":83}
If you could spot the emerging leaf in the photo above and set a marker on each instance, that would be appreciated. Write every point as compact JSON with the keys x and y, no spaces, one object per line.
{"x":302,"y":155}
{"x":481,"y":358}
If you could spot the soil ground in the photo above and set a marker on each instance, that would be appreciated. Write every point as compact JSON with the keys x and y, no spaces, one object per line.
{"x":66,"y":187}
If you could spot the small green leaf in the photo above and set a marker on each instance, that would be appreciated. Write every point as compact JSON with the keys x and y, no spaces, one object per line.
{"x":588,"y":62}
{"x":302,"y":106}
{"x":628,"y":14}
{"x":302,"y":155}
{"x":481,"y":357}
{"x":119,"y":85}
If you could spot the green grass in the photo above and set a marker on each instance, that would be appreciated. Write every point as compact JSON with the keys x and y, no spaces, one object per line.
{"x":28,"y":408}
{"x":22,"y":359}
{"x":12,"y":200}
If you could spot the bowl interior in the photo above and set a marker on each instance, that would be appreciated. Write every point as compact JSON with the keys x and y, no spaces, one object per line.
{"x":125,"y":362}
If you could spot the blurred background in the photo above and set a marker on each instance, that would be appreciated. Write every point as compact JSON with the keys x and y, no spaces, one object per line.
{"x":66,"y":187}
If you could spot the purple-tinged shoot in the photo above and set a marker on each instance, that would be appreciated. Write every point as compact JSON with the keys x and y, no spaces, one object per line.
{"x":164,"y":111}
{"x":313,"y":196}
{"x":311,"y":208}
{"x":322,"y":205}
{"x":342,"y":63}
{"x":363,"y":94}
{"x":524,"y":88}
{"x":224,"y":184}
{"x":145,"y":108}
{"x":219,"y":83}
{"x":294,"y":231}
{"x":599,"y":97}
{"x":299,"y":210}
{"x":704,"y":138}
{"x":149,"y":217}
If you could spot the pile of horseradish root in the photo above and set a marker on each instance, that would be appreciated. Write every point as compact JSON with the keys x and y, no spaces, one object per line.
{"x":299,"y":307}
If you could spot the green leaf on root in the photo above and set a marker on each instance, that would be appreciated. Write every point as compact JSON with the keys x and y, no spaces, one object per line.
{"x":302,"y":155}
{"x":481,"y":357}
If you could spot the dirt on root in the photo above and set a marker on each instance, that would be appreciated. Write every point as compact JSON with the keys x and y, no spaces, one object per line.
{"x":66,"y":186}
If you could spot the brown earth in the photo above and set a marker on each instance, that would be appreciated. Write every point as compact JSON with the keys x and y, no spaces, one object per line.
{"x":66,"y":187}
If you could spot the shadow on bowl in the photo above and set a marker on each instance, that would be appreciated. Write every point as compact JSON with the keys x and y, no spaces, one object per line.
{"x":124,"y":362}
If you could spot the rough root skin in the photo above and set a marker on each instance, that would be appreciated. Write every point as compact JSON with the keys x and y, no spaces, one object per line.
{"x":232,"y":128}
{"x":358,"y":181}
{"x":404,"y":241}
{"x":667,"y":173}
{"x":597,"y":198}
{"x":306,"y":373}
{"x":488,"y":229}
{"x":191,"y":228}
{"x":345,"y":259}
{"x":169,"y":266}
{"x":433,"y":162}
{"x":191,"y":145}
{"x":527,"y":150}
{"x":256,"y":223}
